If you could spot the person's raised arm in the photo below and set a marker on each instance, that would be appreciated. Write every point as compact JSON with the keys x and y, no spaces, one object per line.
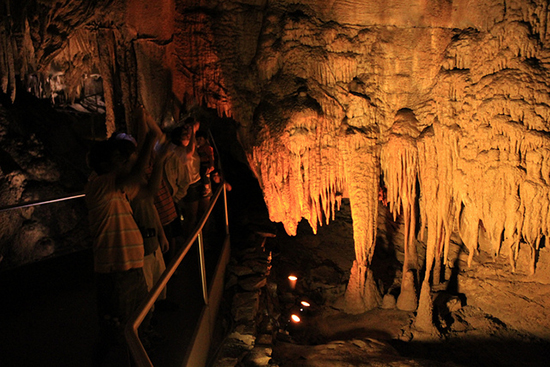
{"x":146,"y":123}
{"x":137,"y":173}
{"x":153,"y":184}
{"x":141,"y":125}
{"x":153,"y":126}
{"x":210,"y":159}
{"x":190,"y":148}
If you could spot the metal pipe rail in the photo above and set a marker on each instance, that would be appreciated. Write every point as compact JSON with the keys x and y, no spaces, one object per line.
{"x":41,"y":202}
{"x":131,"y":330}
{"x":137,"y":350}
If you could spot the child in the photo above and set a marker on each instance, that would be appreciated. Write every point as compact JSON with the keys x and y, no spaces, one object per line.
{"x":206,"y":154}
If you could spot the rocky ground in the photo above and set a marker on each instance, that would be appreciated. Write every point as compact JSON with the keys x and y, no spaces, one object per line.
{"x":486,"y":315}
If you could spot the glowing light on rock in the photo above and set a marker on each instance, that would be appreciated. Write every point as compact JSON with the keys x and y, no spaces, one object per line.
{"x":292,"y":279}
{"x":295,"y":318}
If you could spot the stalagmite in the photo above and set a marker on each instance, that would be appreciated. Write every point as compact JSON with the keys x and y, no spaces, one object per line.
{"x":362,"y":180}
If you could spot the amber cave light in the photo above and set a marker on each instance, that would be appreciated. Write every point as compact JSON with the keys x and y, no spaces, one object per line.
{"x":292,"y":279}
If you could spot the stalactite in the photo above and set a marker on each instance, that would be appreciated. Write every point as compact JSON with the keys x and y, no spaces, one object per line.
{"x":7,"y":61}
{"x":399,"y":159}
{"x":107,"y":61}
{"x":437,"y":156}
{"x":4,"y":77}
{"x":28,"y":58}
{"x":126,"y":73}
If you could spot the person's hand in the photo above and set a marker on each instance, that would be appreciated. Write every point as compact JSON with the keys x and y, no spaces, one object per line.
{"x":209,"y":169}
{"x":142,"y":128}
{"x":196,"y":126}
{"x":164,"y":244}
{"x":139,"y":112}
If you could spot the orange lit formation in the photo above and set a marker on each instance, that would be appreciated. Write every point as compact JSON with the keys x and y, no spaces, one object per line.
{"x":447,"y":101}
{"x":453,"y":120}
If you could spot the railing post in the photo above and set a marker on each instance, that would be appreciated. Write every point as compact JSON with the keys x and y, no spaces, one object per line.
{"x":225,"y":209}
{"x":203,"y":267}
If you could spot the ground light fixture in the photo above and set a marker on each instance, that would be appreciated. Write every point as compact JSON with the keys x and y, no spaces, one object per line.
{"x":295,"y":318}
{"x":292,"y":279}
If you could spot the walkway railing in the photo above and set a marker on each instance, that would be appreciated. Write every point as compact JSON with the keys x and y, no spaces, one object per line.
{"x":139,"y":353}
{"x":131,"y":331}
{"x":41,"y":202}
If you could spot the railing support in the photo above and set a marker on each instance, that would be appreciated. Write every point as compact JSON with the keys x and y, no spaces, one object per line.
{"x":203,"y":268}
{"x":225,"y":209}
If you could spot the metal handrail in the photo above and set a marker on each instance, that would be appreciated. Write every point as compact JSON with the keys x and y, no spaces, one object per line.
{"x":41,"y":202}
{"x":141,"y":357}
{"x":131,"y":330}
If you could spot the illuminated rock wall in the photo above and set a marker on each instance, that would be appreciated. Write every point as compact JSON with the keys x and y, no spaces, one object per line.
{"x":443,"y":103}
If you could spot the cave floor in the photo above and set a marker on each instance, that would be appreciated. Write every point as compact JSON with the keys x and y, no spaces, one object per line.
{"x":486,"y":314}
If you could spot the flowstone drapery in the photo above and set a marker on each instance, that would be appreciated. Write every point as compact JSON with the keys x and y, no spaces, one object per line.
{"x":460,"y":124}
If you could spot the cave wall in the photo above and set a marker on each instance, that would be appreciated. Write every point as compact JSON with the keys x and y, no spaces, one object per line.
{"x":440,"y":105}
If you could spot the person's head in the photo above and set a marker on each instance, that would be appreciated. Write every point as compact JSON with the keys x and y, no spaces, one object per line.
{"x":113,"y":154}
{"x":123,"y":136}
{"x":192,"y":123}
{"x":201,"y":138}
{"x":181,"y":136}
{"x":100,"y":156}
{"x":125,"y":155}
{"x":215,"y":176}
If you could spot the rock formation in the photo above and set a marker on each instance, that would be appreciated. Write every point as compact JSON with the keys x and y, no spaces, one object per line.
{"x":443,"y":103}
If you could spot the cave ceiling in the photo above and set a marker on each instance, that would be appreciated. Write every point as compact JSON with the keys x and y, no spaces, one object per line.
{"x":440,"y":106}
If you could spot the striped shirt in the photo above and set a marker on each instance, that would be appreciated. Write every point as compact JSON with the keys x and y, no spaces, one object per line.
{"x":165,"y":204}
{"x":117,"y":241}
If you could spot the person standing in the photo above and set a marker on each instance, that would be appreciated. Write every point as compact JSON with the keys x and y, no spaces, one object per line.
{"x":193,"y":203}
{"x":206,"y":154}
{"x":117,"y":241}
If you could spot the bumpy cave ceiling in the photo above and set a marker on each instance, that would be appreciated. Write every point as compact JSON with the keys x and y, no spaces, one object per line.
{"x":440,"y":107}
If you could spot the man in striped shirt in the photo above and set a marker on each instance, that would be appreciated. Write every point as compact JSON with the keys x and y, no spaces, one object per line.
{"x":117,"y":241}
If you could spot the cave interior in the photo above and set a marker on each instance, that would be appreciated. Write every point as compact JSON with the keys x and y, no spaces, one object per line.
{"x":400,"y":150}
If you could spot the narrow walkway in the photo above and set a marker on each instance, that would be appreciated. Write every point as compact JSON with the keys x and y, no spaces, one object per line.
{"x":48,"y":314}
{"x":48,"y":309}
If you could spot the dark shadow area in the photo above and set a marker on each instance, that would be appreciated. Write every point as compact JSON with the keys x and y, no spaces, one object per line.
{"x":47,"y":313}
{"x":42,"y":147}
{"x":59,"y":130}
{"x":478,"y":352}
